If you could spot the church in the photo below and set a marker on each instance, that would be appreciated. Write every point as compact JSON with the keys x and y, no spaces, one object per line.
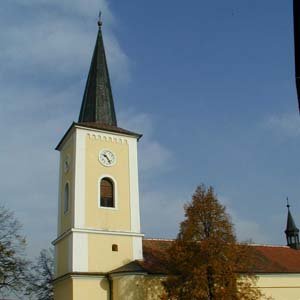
{"x":100,"y":252}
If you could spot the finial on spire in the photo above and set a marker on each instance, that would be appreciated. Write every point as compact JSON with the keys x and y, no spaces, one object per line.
{"x":100,"y":19}
{"x":287,"y":203}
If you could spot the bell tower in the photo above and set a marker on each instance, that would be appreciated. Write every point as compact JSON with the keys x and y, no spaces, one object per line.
{"x":98,"y":202}
{"x":291,"y":232}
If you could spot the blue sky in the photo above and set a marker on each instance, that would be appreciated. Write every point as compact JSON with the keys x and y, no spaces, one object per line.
{"x":209,"y":84}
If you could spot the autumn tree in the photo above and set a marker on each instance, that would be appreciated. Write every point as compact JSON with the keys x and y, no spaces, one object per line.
{"x":205,"y":260}
{"x":12,"y":258}
{"x":40,"y":277}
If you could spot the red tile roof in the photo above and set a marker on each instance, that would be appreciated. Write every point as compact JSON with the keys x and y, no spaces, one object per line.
{"x":277,"y":259}
{"x":268,"y":259}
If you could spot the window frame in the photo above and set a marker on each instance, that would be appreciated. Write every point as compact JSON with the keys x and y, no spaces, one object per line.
{"x":67,"y":184}
{"x":115,"y":192}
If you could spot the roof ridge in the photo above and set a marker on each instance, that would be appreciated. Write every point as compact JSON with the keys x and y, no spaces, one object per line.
{"x":253,"y":244}
{"x":158,"y":239}
{"x":268,"y":245}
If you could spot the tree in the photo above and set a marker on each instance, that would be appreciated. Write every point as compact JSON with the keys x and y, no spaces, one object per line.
{"x":39,"y":280}
{"x":12,"y":248}
{"x":205,"y":260}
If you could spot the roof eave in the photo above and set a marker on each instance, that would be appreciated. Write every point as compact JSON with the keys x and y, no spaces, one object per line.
{"x":76,"y":125}
{"x":138,"y":136}
{"x":58,"y":147}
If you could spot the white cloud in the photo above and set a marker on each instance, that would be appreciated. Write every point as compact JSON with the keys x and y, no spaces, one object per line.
{"x":248,"y":230}
{"x":287,"y":124}
{"x":162,"y":212}
{"x":245,"y":229}
{"x":168,"y":205}
{"x":153,"y":155}
{"x":40,"y":57}
{"x":52,"y":42}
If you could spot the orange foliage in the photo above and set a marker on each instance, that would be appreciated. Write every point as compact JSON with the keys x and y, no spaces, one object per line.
{"x":205,"y":260}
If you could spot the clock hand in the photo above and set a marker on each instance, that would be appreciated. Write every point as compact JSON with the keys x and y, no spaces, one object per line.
{"x":107,"y":158}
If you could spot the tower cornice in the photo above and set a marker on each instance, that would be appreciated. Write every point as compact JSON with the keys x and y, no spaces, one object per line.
{"x":98,"y":127}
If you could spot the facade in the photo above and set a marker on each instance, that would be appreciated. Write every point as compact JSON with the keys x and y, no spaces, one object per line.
{"x":98,"y":209}
{"x":100,"y":252}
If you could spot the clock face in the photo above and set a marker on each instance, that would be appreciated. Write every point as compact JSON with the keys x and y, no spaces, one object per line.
{"x":67,"y":163}
{"x":107,"y":158}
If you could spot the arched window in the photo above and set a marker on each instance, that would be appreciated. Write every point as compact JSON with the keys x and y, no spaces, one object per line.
{"x":66,"y":198}
{"x":107,"y":193}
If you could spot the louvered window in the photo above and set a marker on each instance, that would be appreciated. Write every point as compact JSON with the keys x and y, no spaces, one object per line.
{"x":107,"y":193}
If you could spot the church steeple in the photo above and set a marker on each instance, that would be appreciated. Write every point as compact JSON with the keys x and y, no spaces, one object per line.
{"x":98,"y":104}
{"x":292,"y":232}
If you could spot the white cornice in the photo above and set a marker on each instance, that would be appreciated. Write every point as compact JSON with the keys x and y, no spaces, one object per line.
{"x":96,"y":231}
{"x":106,"y":132}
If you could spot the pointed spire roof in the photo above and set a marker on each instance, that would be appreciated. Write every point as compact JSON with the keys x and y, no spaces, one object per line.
{"x":98,"y":104}
{"x":290,"y":225}
{"x":291,"y":232}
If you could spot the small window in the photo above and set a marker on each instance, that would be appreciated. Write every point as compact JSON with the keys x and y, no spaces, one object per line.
{"x":66,"y":198}
{"x":107,"y":193}
{"x":115,"y":248}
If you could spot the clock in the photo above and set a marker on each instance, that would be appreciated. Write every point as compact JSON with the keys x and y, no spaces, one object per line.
{"x":107,"y":158}
{"x":67,"y":163}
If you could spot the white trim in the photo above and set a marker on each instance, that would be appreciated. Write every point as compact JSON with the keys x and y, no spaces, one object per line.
{"x":137,"y":245}
{"x":115,"y":186}
{"x":70,"y":252}
{"x":106,"y":133}
{"x":59,"y":196}
{"x":79,"y":181}
{"x":96,"y":231}
{"x":134,"y":186}
{"x":99,"y":231}
{"x":80,"y":252}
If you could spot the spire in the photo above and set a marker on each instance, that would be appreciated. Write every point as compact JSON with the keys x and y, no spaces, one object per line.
{"x":291,"y":232}
{"x":98,"y":104}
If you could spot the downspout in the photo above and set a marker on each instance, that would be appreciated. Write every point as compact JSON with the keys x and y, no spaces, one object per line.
{"x":111,"y":287}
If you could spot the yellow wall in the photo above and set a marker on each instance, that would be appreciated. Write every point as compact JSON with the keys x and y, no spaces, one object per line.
{"x":136,"y":287}
{"x":68,"y":150}
{"x":280,"y":287}
{"x":90,"y":288}
{"x":62,"y":256}
{"x":132,"y":287}
{"x":101,"y":218}
{"x":140,"y":287}
{"x":81,"y":288}
{"x":101,"y":256}
{"x":63,"y":290}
